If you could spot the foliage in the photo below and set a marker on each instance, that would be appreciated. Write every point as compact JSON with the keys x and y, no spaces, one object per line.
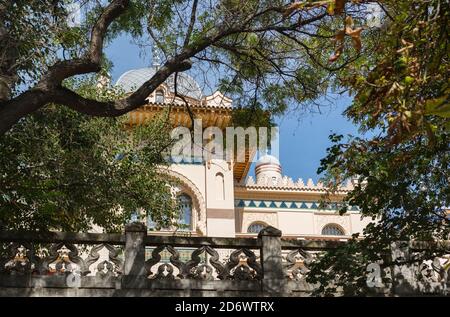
{"x":265,"y":55}
{"x":401,"y":174}
{"x":64,"y":170}
{"x":28,"y":34}
{"x":408,"y":85}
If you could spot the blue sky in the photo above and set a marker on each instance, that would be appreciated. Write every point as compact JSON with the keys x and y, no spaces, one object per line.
{"x":303,"y":136}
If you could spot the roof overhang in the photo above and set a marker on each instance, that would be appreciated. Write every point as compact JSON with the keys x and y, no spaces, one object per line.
{"x":218,"y":115}
{"x":179,"y":115}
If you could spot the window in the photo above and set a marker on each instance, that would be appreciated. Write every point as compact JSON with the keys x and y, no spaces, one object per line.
{"x":332,"y":230}
{"x":185,"y":203}
{"x":220,"y":188}
{"x":256,"y":227}
{"x":159,"y":96}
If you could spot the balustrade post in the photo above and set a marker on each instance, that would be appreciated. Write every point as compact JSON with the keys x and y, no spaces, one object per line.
{"x":271,"y":261}
{"x":134,"y":264}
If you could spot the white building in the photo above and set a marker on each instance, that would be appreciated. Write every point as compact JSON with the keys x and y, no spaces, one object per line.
{"x":218,"y":197}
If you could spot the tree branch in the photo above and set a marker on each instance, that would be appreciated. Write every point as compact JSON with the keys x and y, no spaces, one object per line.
{"x":191,"y":24}
{"x":50,"y":90}
{"x":92,"y":59}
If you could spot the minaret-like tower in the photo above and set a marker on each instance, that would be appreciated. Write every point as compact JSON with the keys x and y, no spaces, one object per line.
{"x":268,"y":170}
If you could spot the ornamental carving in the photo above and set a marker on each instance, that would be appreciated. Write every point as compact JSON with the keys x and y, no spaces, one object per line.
{"x":297,"y":264}
{"x":61,"y":259}
{"x":205,"y":264}
{"x":323,"y":220}
{"x":269,"y":218}
{"x":288,"y":183}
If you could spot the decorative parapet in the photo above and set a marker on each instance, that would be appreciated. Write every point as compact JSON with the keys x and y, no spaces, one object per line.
{"x":287,"y":183}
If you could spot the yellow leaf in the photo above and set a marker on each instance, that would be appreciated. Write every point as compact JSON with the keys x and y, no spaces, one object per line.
{"x":349,"y":21}
{"x":407,"y":46}
{"x":409,"y":80}
{"x":330,"y":8}
{"x":354,"y":33}
{"x":356,"y":41}
{"x":356,"y":37}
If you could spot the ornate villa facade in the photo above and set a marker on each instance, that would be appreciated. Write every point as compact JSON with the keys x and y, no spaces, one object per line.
{"x":218,"y":197}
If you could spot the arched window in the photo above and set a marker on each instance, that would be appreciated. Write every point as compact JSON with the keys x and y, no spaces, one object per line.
{"x":185,"y":203}
{"x":159,"y":96}
{"x":220,"y":186}
{"x":332,"y":230}
{"x":256,"y":227}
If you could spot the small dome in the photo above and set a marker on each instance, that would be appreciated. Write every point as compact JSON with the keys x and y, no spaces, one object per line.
{"x":133,"y":79}
{"x":267,"y":160}
{"x":268,"y":170}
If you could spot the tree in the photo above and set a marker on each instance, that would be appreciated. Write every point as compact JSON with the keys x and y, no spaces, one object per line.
{"x":268,"y":53}
{"x":402,"y":173}
{"x":63,"y":170}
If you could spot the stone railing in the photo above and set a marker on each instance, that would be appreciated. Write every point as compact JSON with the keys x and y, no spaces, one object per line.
{"x":137,"y":264}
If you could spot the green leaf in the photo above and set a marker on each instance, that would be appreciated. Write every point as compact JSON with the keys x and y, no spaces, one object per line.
{"x":439,"y":106}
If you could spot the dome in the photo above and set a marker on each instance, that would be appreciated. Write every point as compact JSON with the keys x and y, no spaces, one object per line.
{"x":267,"y":160}
{"x":268,"y":170}
{"x":133,"y":79}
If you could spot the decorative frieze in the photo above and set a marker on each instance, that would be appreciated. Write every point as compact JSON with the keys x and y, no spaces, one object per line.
{"x":323,"y":220}
{"x":269,"y":218}
{"x":286,"y":205}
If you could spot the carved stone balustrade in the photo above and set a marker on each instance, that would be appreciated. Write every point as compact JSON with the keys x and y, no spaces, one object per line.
{"x":137,"y":264}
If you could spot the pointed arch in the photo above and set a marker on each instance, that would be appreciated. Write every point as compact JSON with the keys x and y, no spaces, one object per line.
{"x":198,"y":202}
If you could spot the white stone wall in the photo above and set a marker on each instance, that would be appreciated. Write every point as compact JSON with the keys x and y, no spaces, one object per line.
{"x":213,"y":188}
{"x":220,"y":199}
